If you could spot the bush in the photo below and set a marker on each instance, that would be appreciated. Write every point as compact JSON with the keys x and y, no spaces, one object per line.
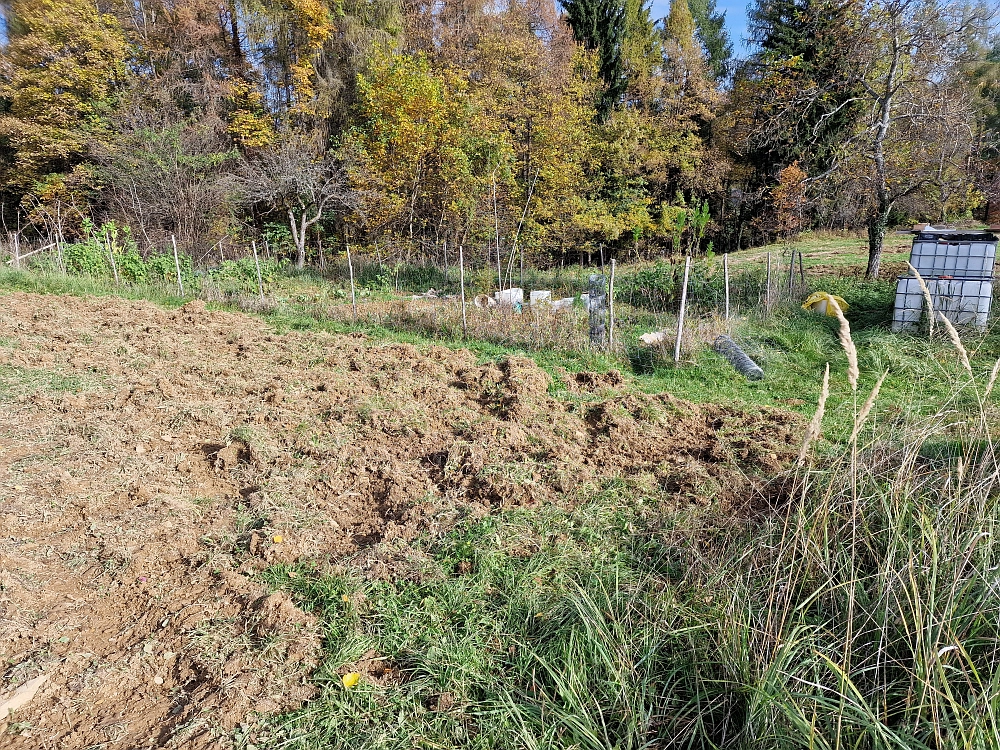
{"x":241,"y":275}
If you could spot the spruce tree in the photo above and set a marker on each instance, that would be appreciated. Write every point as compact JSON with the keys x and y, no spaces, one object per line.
{"x":801,"y":54}
{"x":601,"y":25}
{"x":711,"y":32}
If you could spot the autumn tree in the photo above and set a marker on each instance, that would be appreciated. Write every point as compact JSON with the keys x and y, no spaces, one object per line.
{"x":61,"y":69}
{"x":905,"y":57}
{"x":295,"y":177}
{"x":984,"y":78}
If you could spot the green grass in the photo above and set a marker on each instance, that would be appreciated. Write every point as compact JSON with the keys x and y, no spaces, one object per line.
{"x":17,"y":381}
{"x":862,"y":613}
{"x":829,"y":249}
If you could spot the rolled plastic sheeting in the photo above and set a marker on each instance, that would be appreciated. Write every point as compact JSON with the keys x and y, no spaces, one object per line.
{"x":738,"y":358}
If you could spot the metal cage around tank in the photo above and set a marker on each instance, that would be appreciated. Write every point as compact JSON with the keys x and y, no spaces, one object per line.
{"x":957,"y":268}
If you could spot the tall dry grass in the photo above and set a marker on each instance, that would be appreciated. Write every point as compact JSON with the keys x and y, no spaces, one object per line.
{"x":867,"y":615}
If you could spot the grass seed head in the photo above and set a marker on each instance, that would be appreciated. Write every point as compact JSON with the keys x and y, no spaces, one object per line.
{"x":963,"y":355}
{"x":927,"y":298}
{"x":816,"y":423}
{"x":867,"y":407}
{"x":844,"y":334}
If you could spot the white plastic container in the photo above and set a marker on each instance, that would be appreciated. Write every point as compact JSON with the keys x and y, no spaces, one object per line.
{"x":965,"y":302}
{"x":510,"y":297}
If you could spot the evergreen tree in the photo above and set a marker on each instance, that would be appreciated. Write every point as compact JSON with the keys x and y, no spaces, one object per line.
{"x":711,"y":32}
{"x":601,"y":25}
{"x":804,"y":101}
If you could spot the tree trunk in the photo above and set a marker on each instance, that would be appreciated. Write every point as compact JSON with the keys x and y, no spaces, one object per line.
{"x":878,"y":220}
{"x":299,"y":238}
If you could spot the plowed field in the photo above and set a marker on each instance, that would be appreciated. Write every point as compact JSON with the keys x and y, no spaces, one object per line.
{"x":153,"y":462}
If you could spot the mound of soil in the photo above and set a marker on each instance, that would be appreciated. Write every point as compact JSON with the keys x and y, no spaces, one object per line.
{"x":152,"y":462}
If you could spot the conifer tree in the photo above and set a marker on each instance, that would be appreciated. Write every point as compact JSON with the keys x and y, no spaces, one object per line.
{"x":601,"y":25}
{"x":711,"y":31}
{"x":803,"y":70}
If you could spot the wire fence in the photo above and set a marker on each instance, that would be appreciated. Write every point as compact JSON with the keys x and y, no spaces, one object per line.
{"x":428,"y":300}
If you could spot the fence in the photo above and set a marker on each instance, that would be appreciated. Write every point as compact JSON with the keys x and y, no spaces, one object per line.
{"x":645,"y":299}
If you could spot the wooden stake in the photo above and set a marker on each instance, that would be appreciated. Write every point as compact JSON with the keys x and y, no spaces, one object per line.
{"x":256,"y":262}
{"x":499,"y":273}
{"x":177,"y":265}
{"x":461,"y":278}
{"x":791,"y":271}
{"x":767,"y":286}
{"x":802,"y":271}
{"x":611,"y":306}
{"x":350,"y":269}
{"x":725,"y":273}
{"x":114,"y":266}
{"x":680,"y":317}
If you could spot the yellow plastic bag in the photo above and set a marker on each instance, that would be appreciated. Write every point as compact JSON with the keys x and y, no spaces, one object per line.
{"x":819,"y":302}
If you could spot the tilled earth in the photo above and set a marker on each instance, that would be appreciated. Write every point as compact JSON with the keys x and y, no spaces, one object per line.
{"x":153,"y":462}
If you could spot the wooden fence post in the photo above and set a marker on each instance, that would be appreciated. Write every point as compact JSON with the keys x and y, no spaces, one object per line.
{"x":611,"y":307}
{"x":725,"y":273}
{"x":461,"y":280}
{"x":177,"y":265}
{"x":114,"y":266}
{"x":256,"y":262}
{"x":680,"y":317}
{"x":767,"y":286}
{"x":350,"y":269}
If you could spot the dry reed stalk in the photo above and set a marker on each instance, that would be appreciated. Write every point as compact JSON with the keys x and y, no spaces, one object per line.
{"x":927,"y":298}
{"x":867,"y":407}
{"x":844,"y":334}
{"x":816,"y":423}
{"x":963,"y":355}
{"x":992,"y":381}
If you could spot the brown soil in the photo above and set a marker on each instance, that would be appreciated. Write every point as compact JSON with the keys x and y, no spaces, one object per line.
{"x":152,"y":462}
{"x":857,"y":271}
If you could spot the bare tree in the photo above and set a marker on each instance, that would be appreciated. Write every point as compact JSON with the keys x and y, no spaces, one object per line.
{"x":297,"y":180}
{"x":908,"y":54}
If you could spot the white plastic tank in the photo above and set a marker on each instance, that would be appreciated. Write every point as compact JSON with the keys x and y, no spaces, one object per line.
{"x":957,"y":267}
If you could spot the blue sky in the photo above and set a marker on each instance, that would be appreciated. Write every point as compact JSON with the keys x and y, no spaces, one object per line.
{"x":736,"y":19}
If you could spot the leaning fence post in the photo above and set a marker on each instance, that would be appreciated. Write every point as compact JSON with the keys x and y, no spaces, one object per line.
{"x":611,"y":307}
{"x":791,"y":272}
{"x":350,"y":269}
{"x":680,"y":317}
{"x":802,"y":271}
{"x":725,"y":273}
{"x":461,"y":281}
{"x":177,"y":265}
{"x":256,"y":262}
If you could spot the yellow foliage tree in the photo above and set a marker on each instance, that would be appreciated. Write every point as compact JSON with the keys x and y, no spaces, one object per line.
{"x":64,"y":62}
